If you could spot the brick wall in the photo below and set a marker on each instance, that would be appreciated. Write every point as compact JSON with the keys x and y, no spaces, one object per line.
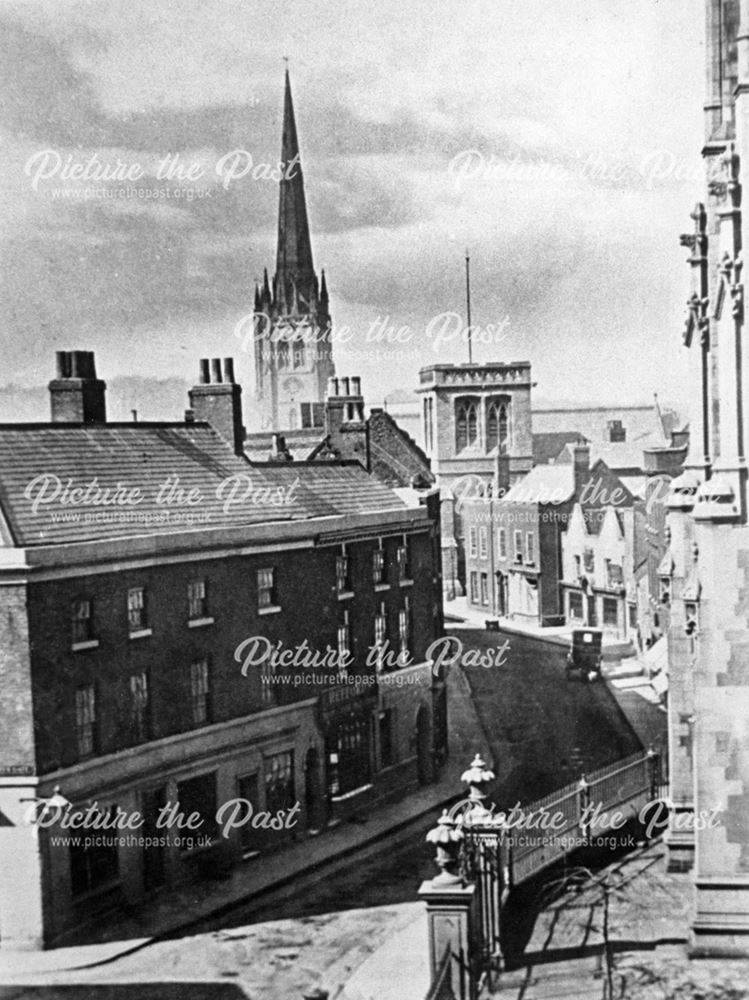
{"x":310,"y":609}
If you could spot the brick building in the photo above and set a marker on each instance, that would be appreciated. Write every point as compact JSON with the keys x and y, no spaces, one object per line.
{"x":516,"y":563}
{"x":142,"y":568}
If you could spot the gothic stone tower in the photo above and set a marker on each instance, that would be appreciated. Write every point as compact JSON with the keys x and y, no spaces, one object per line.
{"x":477,"y":433}
{"x":707,"y":574}
{"x":293,"y":350}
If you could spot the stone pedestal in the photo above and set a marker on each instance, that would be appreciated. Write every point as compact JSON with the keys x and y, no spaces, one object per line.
{"x":452,"y":921}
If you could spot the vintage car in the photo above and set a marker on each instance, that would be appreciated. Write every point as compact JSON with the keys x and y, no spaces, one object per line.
{"x":585,"y":654}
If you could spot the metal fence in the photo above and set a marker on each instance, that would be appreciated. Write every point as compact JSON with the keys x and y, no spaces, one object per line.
{"x":498,"y":854}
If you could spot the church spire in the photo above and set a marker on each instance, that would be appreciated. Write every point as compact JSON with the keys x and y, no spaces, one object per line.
{"x":294,"y":270}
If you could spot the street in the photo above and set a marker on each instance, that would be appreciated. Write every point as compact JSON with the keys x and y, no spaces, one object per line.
{"x":544,"y":730}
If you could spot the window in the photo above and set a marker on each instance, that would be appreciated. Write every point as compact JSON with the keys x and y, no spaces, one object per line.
{"x":93,"y":867}
{"x":85,"y":720}
{"x":691,"y":613}
{"x":349,"y":765}
{"x":136,"y":609}
{"x":483,"y":542}
{"x":380,"y":637}
{"x":298,"y":354}
{"x":578,"y":566}
{"x":466,"y":424}
{"x":344,"y":645}
{"x":404,"y":631}
{"x":197,"y":603}
{"x":139,"y":706}
{"x":342,"y":580}
{"x":283,"y":353}
{"x":502,"y":543}
{"x":496,"y":427}
{"x":518,"y":546}
{"x":404,"y":561}
{"x":199,"y":692}
{"x":664,"y":584}
{"x":589,"y":561}
{"x":428,"y":423}
{"x":279,"y":782}
{"x":313,"y":414}
{"x":614,"y":575}
{"x":530,"y":547}
{"x":575,"y":604}
{"x":387,"y":754}
{"x":198,"y":795}
{"x":266,"y":588}
{"x":611,"y":612}
{"x":378,"y":565}
{"x":484,"y":589}
{"x":632,"y":611}
{"x":82,"y":621}
{"x":474,"y":588}
{"x":473,"y":541}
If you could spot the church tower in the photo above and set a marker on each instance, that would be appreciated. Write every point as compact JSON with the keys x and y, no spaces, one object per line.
{"x":293,"y":350}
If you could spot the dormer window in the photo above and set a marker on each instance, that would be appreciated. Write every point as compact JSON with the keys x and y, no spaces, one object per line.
{"x":664,"y":590}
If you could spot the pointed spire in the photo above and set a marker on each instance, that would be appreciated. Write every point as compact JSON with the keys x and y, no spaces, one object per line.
{"x":294,"y":253}
{"x":323,"y":286}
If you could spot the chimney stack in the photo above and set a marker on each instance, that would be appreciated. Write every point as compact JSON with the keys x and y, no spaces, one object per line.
{"x":77,"y":396}
{"x":278,"y":450}
{"x":581,"y":461}
{"x":345,"y":426}
{"x":217,"y":400}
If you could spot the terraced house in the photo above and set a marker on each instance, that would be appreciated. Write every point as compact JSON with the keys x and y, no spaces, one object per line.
{"x":142,"y":567}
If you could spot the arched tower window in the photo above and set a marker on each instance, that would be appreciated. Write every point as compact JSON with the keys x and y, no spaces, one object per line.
{"x":298,"y":355}
{"x":497,"y":426}
{"x":466,"y":423}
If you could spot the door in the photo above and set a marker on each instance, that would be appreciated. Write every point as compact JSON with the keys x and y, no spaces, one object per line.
{"x":154,"y":876}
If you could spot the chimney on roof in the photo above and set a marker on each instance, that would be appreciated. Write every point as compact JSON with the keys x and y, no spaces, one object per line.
{"x":581,"y":462}
{"x":345,"y":426}
{"x":217,"y":400}
{"x":501,"y":483}
{"x":278,"y":450}
{"x":77,"y":396}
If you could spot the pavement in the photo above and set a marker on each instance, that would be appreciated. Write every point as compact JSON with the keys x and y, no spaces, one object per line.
{"x":649,"y":925}
{"x":459,"y":612}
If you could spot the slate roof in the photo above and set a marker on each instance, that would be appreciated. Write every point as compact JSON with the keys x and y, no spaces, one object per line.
{"x":547,"y":446}
{"x":148,"y":457}
{"x":544,"y":484}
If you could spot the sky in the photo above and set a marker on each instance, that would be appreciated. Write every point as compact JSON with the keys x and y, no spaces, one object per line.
{"x":558,"y":141}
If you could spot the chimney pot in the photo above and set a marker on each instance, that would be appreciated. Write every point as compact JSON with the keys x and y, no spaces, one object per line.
{"x":344,"y":383}
{"x":216,"y":370}
{"x":63,"y":366}
{"x":356,"y":386}
{"x":189,"y":416}
{"x":229,"y":370}
{"x":332,"y":387}
{"x":205,"y":377}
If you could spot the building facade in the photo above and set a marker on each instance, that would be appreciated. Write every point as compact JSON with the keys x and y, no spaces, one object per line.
{"x":475,"y":419}
{"x":556,"y":548}
{"x":155,"y":619}
{"x":709,"y":538}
